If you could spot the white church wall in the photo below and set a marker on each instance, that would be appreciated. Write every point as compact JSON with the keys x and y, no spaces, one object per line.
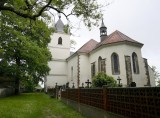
{"x":118,"y":49}
{"x":93,"y":57}
{"x":53,"y":79}
{"x":60,"y":51}
{"x":122,"y":50}
{"x":65,"y":40}
{"x":140,"y":78}
{"x":57,"y":74}
{"x":58,"y":67}
{"x":72,"y":76}
{"x":152,"y":78}
{"x":84,"y":69}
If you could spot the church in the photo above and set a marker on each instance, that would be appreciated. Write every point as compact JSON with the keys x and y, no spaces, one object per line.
{"x":115,"y":54}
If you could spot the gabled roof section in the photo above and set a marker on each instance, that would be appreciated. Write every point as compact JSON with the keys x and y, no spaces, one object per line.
{"x":116,"y":37}
{"x":89,"y":46}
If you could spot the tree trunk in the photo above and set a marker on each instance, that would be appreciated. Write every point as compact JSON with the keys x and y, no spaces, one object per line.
{"x":17,"y":77}
{"x":17,"y":89}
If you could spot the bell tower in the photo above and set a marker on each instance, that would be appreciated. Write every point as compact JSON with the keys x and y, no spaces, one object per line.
{"x":103,"y":31}
{"x":60,"y":50}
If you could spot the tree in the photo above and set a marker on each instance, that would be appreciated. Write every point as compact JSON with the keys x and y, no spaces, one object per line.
{"x":156,"y":75}
{"x":89,"y":10}
{"x":23,"y":48}
{"x":102,"y":79}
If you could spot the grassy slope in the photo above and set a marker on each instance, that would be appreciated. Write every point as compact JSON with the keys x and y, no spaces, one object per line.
{"x":35,"y":105}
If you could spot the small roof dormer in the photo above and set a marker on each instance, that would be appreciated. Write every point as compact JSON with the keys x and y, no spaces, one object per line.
{"x":59,"y":25}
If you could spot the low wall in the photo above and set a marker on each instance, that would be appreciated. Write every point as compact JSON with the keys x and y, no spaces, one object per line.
{"x":90,"y":111}
{"x":4,"y":92}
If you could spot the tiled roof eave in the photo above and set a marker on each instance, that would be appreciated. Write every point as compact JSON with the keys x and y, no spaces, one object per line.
{"x":117,"y":43}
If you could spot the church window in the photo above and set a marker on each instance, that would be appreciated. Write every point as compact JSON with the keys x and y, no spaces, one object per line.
{"x":115,"y":63}
{"x":135,"y":63}
{"x":93,"y":69}
{"x":60,"y":41}
{"x":72,"y":73}
{"x":101,"y":65}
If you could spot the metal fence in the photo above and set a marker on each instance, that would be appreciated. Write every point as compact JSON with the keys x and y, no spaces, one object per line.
{"x":130,"y":102}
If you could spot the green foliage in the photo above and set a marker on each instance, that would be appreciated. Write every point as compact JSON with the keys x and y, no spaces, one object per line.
{"x":90,"y":11}
{"x":66,"y":29}
{"x":23,"y":48}
{"x":28,"y":84}
{"x":35,"y":105}
{"x":102,"y":79}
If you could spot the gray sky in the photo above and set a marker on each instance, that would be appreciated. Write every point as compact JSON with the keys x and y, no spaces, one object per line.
{"x":138,"y":19}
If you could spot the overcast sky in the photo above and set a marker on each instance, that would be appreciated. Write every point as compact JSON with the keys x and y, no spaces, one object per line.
{"x":138,"y":19}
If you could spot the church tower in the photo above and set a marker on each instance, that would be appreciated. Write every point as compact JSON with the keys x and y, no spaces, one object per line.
{"x":103,"y":31}
{"x":60,"y":50}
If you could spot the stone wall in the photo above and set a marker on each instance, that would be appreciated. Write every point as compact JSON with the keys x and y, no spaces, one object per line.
{"x":4,"y":92}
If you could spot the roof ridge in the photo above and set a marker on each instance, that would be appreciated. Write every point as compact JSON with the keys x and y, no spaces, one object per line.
{"x":87,"y":44}
{"x":119,"y":33}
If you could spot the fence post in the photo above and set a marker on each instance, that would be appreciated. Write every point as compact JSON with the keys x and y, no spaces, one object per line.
{"x":105,"y":99}
{"x":78,"y":95}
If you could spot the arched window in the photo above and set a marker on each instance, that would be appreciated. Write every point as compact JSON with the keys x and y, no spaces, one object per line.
{"x":93,"y":69}
{"x":72,"y":73}
{"x":101,"y":65}
{"x":135,"y":63}
{"x":115,"y":63}
{"x":60,"y":41}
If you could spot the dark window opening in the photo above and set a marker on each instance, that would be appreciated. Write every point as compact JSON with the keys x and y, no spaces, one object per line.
{"x":60,"y":41}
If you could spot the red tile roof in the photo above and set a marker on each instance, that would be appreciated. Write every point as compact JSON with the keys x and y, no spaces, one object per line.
{"x":89,"y":46}
{"x":115,"y":37}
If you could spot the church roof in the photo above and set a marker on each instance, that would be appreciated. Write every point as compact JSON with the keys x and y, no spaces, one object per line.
{"x":59,"y":25}
{"x":89,"y":46}
{"x":117,"y":37}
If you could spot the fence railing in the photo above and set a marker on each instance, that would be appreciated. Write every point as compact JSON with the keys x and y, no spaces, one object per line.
{"x":131,"y":102}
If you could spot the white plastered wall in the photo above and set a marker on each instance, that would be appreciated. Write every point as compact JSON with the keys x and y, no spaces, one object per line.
{"x":84,"y":69}
{"x":72,"y":62}
{"x":152,"y":78}
{"x":122,"y":50}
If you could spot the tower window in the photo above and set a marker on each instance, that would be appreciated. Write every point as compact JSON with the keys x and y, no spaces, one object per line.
{"x":135,"y":63}
{"x":60,"y":41}
{"x":115,"y":63}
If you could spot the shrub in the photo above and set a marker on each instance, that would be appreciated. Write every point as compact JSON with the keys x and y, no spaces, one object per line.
{"x":102,"y":79}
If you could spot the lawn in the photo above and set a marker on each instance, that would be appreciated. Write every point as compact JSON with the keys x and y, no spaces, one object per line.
{"x":35,"y":105}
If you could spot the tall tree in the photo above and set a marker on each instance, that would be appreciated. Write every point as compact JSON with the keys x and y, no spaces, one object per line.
{"x":23,"y":48}
{"x":88,"y":10}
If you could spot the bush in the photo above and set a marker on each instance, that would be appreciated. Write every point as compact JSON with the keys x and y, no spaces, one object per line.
{"x":102,"y":79}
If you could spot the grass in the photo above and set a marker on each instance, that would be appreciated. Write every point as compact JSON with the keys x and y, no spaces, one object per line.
{"x":35,"y":105}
